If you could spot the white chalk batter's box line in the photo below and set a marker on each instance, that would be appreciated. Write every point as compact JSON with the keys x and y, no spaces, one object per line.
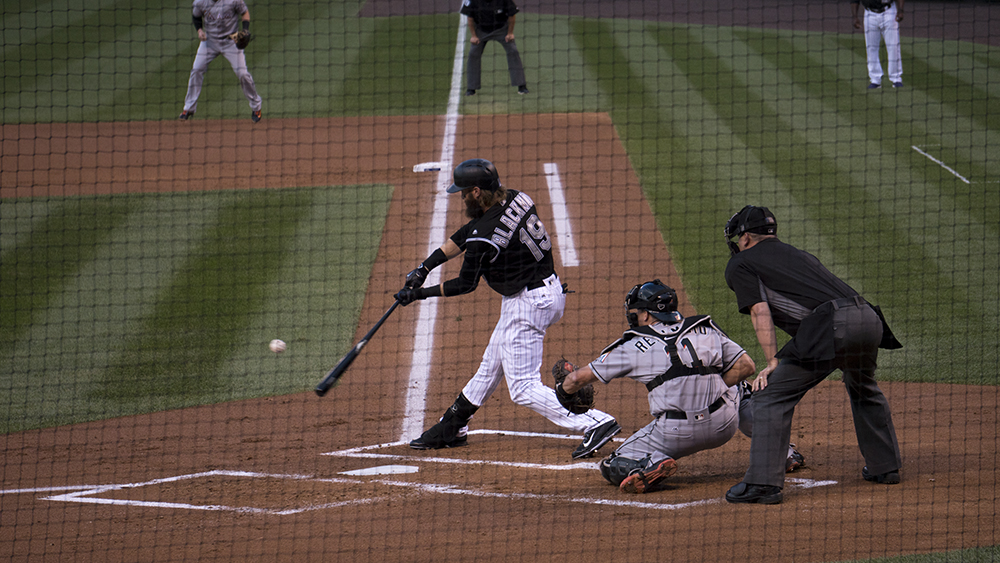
{"x":89,"y":494}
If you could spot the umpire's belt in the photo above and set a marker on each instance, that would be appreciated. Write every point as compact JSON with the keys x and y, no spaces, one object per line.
{"x":855,"y":301}
{"x":681,"y":415}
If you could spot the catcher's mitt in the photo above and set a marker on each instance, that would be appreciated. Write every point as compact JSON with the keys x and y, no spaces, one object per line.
{"x":242,"y":38}
{"x":576,"y":403}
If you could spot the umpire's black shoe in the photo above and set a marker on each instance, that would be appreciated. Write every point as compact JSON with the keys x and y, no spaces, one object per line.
{"x":754,"y":494}
{"x":889,"y":478}
{"x":597,"y":437}
{"x":470,"y":92}
{"x":522,"y":89}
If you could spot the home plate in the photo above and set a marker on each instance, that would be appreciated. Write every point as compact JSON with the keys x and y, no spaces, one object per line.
{"x":383,"y":470}
{"x":427,"y":167}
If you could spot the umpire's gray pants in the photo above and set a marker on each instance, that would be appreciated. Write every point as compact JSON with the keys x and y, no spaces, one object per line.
{"x":208,"y":50}
{"x":474,"y":67}
{"x":857,"y":333}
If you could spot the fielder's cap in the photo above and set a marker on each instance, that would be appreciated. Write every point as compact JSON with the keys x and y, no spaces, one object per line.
{"x":476,"y":172}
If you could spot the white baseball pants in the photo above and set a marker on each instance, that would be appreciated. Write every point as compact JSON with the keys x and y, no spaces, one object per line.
{"x":515,"y":352}
{"x":877,"y":27}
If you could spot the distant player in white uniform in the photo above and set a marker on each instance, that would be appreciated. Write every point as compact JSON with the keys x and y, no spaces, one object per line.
{"x":694,"y":374}
{"x":882,"y":19}
{"x":506,"y":244}
{"x":216,"y":21}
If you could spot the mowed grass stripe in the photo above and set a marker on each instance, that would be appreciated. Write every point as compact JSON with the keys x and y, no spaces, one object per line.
{"x":840,"y":210}
{"x":177,"y":352}
{"x":401,"y":68}
{"x":33,"y":272}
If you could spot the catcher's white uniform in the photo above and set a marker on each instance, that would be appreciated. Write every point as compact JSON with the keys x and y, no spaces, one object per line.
{"x":681,"y":366}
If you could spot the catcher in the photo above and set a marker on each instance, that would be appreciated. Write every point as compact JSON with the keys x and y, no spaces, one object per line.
{"x":695,"y":377}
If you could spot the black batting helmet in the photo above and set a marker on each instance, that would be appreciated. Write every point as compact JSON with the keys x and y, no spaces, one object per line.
{"x":750,"y":219}
{"x":476,"y":172}
{"x":656,"y":299}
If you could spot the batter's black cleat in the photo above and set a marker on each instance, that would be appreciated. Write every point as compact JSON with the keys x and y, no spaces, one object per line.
{"x":255,"y":116}
{"x":421,"y":444}
{"x":470,"y":92}
{"x":748,"y":493}
{"x":889,"y":478}
{"x":597,"y":437}
{"x":186,"y":115}
{"x":522,"y":89}
{"x":794,"y":459}
{"x":642,"y":481}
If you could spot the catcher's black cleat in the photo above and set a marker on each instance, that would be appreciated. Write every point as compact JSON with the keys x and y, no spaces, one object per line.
{"x":642,"y":481}
{"x":597,"y":437}
{"x":888,"y":478}
{"x":754,"y":494}
{"x":186,"y":115}
{"x":255,"y":116}
{"x":794,"y":460}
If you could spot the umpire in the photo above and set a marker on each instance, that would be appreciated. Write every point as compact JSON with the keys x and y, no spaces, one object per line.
{"x":832,"y":327}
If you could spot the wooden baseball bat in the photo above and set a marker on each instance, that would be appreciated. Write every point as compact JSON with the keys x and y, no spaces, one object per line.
{"x":334,"y":375}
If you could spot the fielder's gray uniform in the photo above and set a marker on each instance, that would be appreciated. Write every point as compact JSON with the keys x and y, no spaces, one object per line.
{"x":681,"y":366}
{"x":220,"y":18}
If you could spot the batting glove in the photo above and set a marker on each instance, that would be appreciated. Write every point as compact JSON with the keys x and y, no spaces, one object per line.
{"x":417,"y":277}
{"x":408,"y":295}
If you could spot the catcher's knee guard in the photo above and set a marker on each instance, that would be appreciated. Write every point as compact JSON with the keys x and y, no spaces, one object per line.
{"x":616,"y":468}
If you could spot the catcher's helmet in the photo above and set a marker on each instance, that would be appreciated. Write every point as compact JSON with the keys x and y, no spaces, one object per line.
{"x":655,"y":298}
{"x":476,"y":172}
{"x":750,"y":219}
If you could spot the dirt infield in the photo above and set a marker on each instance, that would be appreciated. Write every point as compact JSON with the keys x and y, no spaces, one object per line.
{"x":267,"y":480}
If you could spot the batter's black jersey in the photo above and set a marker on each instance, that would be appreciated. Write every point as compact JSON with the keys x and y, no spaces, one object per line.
{"x":508,"y":246}
{"x":791,"y":281}
{"x":489,"y":15}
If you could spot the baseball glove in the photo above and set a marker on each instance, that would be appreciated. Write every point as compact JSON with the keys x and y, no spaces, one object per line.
{"x":576,"y":403}
{"x":242,"y":38}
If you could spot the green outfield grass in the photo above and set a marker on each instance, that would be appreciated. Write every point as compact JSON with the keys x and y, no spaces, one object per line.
{"x":120,"y":305}
{"x":712,"y":119}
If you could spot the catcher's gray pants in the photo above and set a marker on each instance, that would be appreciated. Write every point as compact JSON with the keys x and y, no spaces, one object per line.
{"x":474,"y":67}
{"x":678,"y":438}
{"x":515,"y":352}
{"x":207,"y":51}
{"x":857,"y":332}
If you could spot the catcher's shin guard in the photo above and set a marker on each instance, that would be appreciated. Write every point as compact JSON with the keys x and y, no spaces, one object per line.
{"x":450,"y":431}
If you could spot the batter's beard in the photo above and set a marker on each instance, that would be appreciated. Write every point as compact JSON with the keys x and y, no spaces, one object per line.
{"x":473,"y":210}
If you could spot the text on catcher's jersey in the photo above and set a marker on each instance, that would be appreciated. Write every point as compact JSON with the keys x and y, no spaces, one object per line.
{"x":642,"y":354}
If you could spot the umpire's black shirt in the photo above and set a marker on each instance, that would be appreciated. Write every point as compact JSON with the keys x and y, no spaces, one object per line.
{"x":791,"y":281}
{"x":489,"y":15}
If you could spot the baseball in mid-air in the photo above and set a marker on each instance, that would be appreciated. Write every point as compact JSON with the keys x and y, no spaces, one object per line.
{"x":278,"y":346}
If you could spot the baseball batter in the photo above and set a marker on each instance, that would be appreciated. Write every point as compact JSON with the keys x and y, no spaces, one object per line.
{"x":216,"y":21}
{"x":506,"y":244}
{"x":694,"y":375}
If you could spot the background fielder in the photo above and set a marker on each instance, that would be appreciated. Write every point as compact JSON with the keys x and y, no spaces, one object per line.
{"x":506,"y":243}
{"x":215,"y":21}
{"x":882,"y":19}
{"x":694,"y":374}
